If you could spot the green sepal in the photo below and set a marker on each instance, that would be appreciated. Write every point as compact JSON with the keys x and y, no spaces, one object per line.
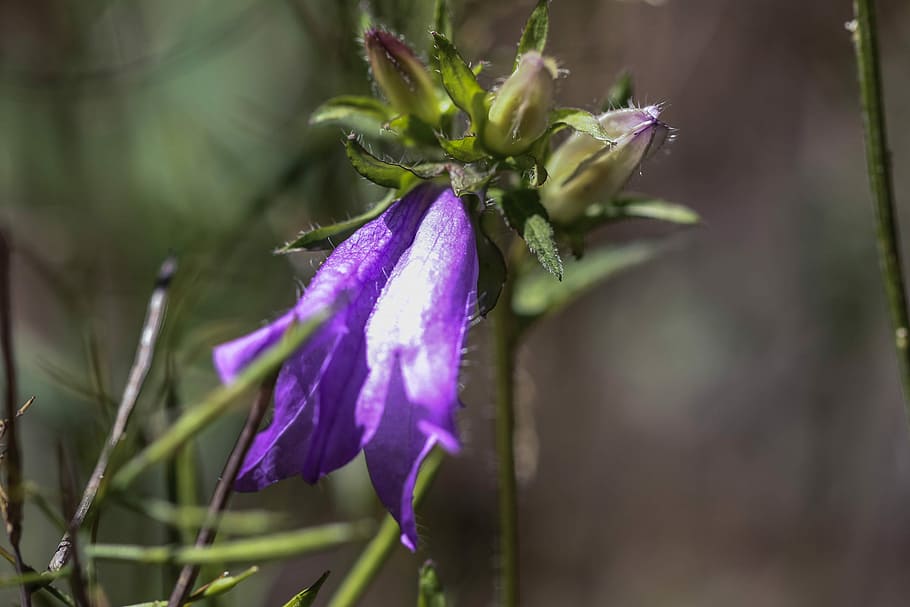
{"x":620,"y":93}
{"x":388,"y":174}
{"x":223,"y":584}
{"x":468,"y":178}
{"x":442,"y":23}
{"x":629,"y":206}
{"x":460,"y":82}
{"x":305,"y":597}
{"x":531,"y":167}
{"x":363,"y":114}
{"x":529,"y":218}
{"x":328,"y":237}
{"x":534,"y":35}
{"x":537,"y":295}
{"x":465,"y":149}
{"x":429,"y":589}
{"x":492,"y":269}
{"x":578,"y":120}
{"x":411,"y":130}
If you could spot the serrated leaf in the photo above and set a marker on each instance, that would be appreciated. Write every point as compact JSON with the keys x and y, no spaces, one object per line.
{"x":221,"y":585}
{"x":491,"y":264}
{"x":536,"y":294}
{"x":306,"y":596}
{"x":460,"y":82}
{"x":464,"y":149}
{"x":430,"y":592}
{"x":380,"y":172}
{"x":529,"y":218}
{"x":620,"y":94}
{"x":353,"y":111}
{"x":534,"y":35}
{"x":578,"y":120}
{"x":328,"y":237}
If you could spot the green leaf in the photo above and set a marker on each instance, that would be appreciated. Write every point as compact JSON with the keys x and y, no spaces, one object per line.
{"x":531,"y":167}
{"x":536,"y":294}
{"x":380,"y":172}
{"x":464,"y":150}
{"x":534,"y":36}
{"x":460,"y":82}
{"x":620,"y":94}
{"x":363,"y":114}
{"x":306,"y":596}
{"x":197,"y":418}
{"x":579,"y":120}
{"x":430,"y":592}
{"x":633,"y":206}
{"x":492,"y":265}
{"x":223,"y":584}
{"x":328,"y":237}
{"x":442,"y":19}
{"x":270,"y":547}
{"x":529,"y":218}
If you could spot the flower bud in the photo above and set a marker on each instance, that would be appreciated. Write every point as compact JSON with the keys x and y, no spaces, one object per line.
{"x":583,"y":171}
{"x":401,"y":76}
{"x":520,"y":109}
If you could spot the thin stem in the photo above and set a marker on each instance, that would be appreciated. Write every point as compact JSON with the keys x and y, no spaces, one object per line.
{"x":505,"y":332}
{"x":13,"y":456}
{"x":377,"y":552}
{"x":224,"y":488}
{"x":141,"y":364}
{"x":879,"y":168}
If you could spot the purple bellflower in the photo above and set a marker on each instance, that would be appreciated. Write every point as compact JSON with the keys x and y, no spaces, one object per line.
{"x":382,"y":374}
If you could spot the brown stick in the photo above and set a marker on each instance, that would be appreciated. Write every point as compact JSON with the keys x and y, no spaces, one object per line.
{"x":141,"y":364}
{"x":223,"y":489}
{"x":13,"y":459}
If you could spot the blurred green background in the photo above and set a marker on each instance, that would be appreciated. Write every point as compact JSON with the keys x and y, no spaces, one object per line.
{"x":722,"y":426}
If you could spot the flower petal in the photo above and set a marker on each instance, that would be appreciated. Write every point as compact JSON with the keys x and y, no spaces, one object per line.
{"x":315,"y":429}
{"x":421,"y":319}
{"x":394,"y":456}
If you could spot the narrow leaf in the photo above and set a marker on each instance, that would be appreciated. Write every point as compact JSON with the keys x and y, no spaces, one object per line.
{"x":579,"y":120}
{"x":306,"y":596}
{"x":276,"y":546}
{"x":536,"y":294}
{"x":529,"y":218}
{"x":217,"y":401}
{"x":378,"y":171}
{"x":460,"y":82}
{"x":353,"y":111}
{"x":221,"y":585}
{"x":328,"y":237}
{"x":534,"y":36}
{"x":632,"y":206}
{"x":430,"y":592}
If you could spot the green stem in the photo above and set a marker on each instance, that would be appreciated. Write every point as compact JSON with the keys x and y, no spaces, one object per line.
{"x":505,"y":329}
{"x":377,"y":552}
{"x":879,"y":168}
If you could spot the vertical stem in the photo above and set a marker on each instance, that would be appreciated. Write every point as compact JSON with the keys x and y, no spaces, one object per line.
{"x":224,"y":488}
{"x":879,"y":168}
{"x":13,"y":457}
{"x":506,"y":338}
{"x":377,"y":552}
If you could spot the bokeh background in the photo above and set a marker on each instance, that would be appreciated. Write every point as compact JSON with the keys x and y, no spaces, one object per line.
{"x":721,"y":426}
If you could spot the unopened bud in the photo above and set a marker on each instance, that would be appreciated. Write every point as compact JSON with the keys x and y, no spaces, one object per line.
{"x":520,"y":110}
{"x":401,"y":76}
{"x":583,"y":171}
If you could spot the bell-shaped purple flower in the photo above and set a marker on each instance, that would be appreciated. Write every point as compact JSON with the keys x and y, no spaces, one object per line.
{"x":382,"y":374}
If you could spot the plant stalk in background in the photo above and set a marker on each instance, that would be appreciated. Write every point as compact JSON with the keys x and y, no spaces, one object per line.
{"x":865,"y":40}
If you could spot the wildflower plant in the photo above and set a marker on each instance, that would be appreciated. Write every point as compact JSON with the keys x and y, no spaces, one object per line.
{"x":489,"y":215}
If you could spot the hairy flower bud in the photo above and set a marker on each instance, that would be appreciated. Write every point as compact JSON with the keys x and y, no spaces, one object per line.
{"x":401,"y":76}
{"x":520,"y":109}
{"x":583,"y":171}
